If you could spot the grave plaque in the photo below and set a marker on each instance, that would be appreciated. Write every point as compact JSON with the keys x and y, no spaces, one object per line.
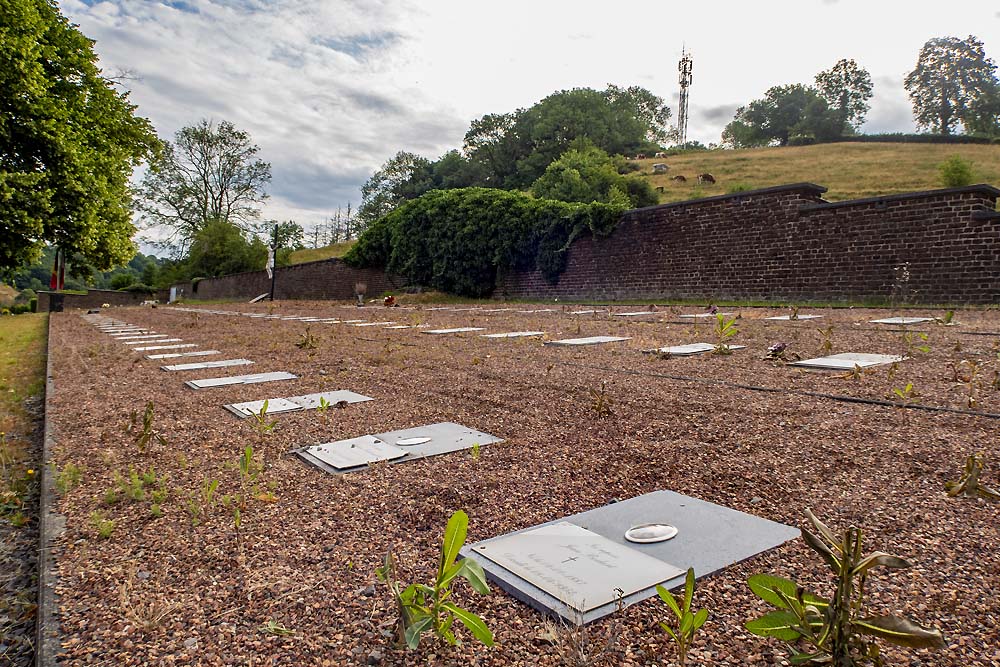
{"x":346,"y":454}
{"x":638,"y":313}
{"x":848,"y":360}
{"x":174,"y":355}
{"x":514,"y":334}
{"x":254,"y":378}
{"x":788,"y":318}
{"x":703,"y":315}
{"x":207,"y":364}
{"x":693,"y":348}
{"x":586,"y":312}
{"x":902,"y":320}
{"x":400,"y":326}
{"x":709,"y":538}
{"x":451,"y":331}
{"x":157,"y":339}
{"x":311,"y":401}
{"x":124,"y":337}
{"x":590,"y":340}
{"x":372,"y":324}
{"x":274,"y":406}
{"x":579,"y":568}
{"x":164,"y":347}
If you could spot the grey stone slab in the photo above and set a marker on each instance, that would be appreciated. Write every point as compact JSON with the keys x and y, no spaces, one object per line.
{"x":445,"y":437}
{"x":692,"y":348}
{"x":589,"y":340}
{"x":638,"y":313}
{"x":902,"y":320}
{"x":848,"y":360}
{"x":539,"y":310}
{"x":356,"y":453}
{"x":372,"y":324}
{"x":158,"y":340}
{"x":174,"y":355}
{"x":710,"y":538}
{"x":440,"y":332}
{"x":176,"y":346}
{"x":132,"y":336}
{"x":255,"y":378}
{"x":788,"y":318}
{"x":400,"y":326}
{"x":587,"y":312}
{"x":704,"y":315}
{"x":223,"y":363}
{"x":515,"y":334}
{"x":311,"y":401}
{"x":274,"y":406}
{"x":580,"y":568}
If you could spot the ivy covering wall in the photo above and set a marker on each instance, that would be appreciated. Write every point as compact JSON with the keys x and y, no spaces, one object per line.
{"x":459,"y":241}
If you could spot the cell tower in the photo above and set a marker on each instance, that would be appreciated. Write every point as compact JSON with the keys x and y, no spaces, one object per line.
{"x":684,"y":67}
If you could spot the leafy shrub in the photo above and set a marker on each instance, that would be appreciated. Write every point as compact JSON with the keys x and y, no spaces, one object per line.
{"x":121,"y":281}
{"x":955,"y":172}
{"x":901,"y":138}
{"x":460,"y":240}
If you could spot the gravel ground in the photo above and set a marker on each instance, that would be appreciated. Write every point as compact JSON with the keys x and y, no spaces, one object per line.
{"x":161,"y":591}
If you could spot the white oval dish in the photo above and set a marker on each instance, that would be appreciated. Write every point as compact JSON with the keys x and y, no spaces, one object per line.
{"x":412,"y":441}
{"x":648,"y":533}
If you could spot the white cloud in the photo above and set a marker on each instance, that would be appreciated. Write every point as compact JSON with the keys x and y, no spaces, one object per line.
{"x":330,"y":89}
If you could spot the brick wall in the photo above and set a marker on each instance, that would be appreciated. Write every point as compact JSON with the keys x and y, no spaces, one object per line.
{"x":325,"y":279}
{"x":788,"y":243}
{"x":94,"y":298}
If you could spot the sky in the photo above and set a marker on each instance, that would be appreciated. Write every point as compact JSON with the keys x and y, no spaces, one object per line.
{"x":331,"y":89}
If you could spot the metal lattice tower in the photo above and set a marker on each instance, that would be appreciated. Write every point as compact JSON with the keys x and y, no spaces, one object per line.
{"x":684,"y":67}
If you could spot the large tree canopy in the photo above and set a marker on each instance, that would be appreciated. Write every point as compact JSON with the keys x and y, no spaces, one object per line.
{"x":784,"y":112}
{"x":588,"y":174}
{"x":952,"y":83}
{"x":209,"y":173}
{"x":68,"y":143}
{"x":846,"y":87}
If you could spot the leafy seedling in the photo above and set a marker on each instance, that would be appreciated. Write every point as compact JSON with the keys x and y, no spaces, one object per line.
{"x":724,"y":331}
{"x":424,"y":608}
{"x":968,"y":485}
{"x":307,"y":341}
{"x":686,"y":623}
{"x":836,"y":631}
{"x":600,"y":402}
{"x":145,"y":433}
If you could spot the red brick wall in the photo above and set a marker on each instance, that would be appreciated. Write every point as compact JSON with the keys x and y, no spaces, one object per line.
{"x":95,"y":298}
{"x":325,"y":279}
{"x":787,"y":243}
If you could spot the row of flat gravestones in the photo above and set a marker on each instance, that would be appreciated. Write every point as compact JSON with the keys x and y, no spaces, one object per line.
{"x":574,"y":567}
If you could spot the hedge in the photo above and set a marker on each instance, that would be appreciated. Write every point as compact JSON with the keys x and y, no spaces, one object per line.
{"x":899,"y":138}
{"x":460,"y":240}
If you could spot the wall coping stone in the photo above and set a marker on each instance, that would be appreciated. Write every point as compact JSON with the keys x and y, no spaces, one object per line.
{"x":811,"y":188}
{"x":982,"y":188}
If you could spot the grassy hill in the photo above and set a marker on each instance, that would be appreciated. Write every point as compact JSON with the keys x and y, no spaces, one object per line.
{"x":316,"y":254}
{"x":849,"y":170}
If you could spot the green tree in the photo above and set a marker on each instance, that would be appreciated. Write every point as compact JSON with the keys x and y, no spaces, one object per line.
{"x":491,"y":145}
{"x":209,"y":173}
{"x":588,"y":174}
{"x":955,"y":172}
{"x":846,"y":87}
{"x":68,"y":143}
{"x":220,"y":248}
{"x":952,"y":80}
{"x":394,"y":182}
{"x":783,"y":112}
{"x":121,"y":280}
{"x":646,"y":107}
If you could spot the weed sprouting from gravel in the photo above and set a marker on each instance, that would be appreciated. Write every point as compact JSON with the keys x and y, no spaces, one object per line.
{"x":600,"y":403}
{"x":307,"y":341}
{"x":145,"y":433}
{"x":968,"y":484}
{"x":103,"y":525}
{"x":68,"y":477}
{"x":686,"y":623}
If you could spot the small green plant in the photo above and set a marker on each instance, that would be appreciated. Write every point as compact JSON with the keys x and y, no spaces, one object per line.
{"x":724,"y":331}
{"x":144,"y":434}
{"x":686,"y":623}
{"x":475,"y":451}
{"x":835,"y":631}
{"x":913,"y":342}
{"x":67,"y":478}
{"x":907,"y":395}
{"x":155,"y":510}
{"x":275,"y":628}
{"x":968,"y":484}
{"x":101,"y":524}
{"x":794,"y":314}
{"x":323,"y":406}
{"x":307,"y":341}
{"x":600,"y":403}
{"x":260,"y":422}
{"x":826,"y":342}
{"x":19,"y":519}
{"x":423,"y":608}
{"x":947,"y":320}
{"x":199,"y":504}
{"x":855,"y":374}
{"x":955,"y":172}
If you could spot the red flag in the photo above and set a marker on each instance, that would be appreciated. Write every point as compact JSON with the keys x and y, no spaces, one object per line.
{"x":62,"y":270}
{"x":54,"y":279}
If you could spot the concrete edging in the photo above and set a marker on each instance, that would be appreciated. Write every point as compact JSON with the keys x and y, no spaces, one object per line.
{"x":51,"y":524}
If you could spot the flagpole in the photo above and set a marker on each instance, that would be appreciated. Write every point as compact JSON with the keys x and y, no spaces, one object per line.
{"x":273,"y":259}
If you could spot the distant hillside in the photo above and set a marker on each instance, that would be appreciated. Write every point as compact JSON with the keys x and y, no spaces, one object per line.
{"x":316,"y":254}
{"x":849,"y":170}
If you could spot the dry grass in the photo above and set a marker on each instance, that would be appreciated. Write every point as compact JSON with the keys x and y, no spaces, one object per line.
{"x":7,"y":294}
{"x":850,"y":171}
{"x":316,"y":254}
{"x":22,"y":370}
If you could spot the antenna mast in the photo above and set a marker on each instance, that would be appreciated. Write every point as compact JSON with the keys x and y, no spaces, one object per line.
{"x":684,"y":68}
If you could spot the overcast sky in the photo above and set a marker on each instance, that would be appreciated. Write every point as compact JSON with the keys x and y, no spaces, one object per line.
{"x":330,"y":89}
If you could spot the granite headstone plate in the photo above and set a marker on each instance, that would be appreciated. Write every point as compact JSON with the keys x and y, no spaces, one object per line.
{"x":692,"y":348}
{"x":638,"y":313}
{"x":848,"y":360}
{"x":789,"y":318}
{"x":174,"y":355}
{"x":515,"y":334}
{"x":158,"y":340}
{"x":356,"y":452}
{"x":312,"y":401}
{"x":207,"y":364}
{"x":372,"y":324}
{"x":586,"y":312}
{"x":274,"y":406}
{"x":452,"y":331}
{"x":140,"y":336}
{"x":581,"y":569}
{"x":710,"y":537}
{"x":400,"y":326}
{"x":254,"y":378}
{"x":417,"y":443}
{"x":589,"y":340}
{"x":902,"y":320}
{"x":176,"y":346}
{"x":704,"y":315}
